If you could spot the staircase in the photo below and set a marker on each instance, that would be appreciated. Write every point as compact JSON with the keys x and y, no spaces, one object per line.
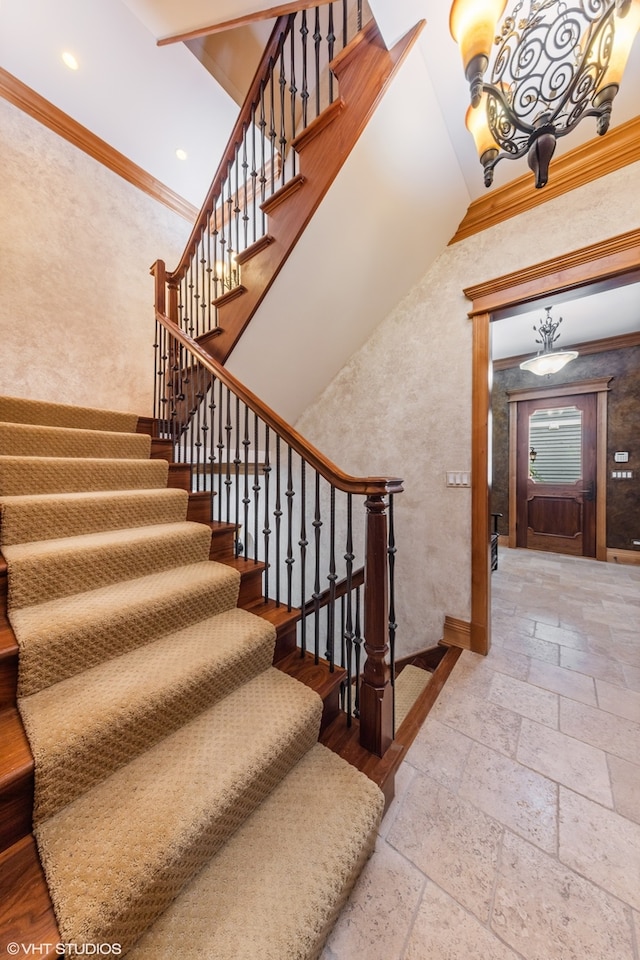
{"x":181,"y":797}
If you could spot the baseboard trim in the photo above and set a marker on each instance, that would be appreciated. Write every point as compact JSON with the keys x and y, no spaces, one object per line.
{"x":457,"y":633}
{"x":623,"y":556}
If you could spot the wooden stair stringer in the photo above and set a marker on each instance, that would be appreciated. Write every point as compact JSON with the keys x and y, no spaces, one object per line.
{"x":321,"y":158}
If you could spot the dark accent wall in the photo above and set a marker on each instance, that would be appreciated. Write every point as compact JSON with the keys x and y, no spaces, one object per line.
{"x":623,"y":433}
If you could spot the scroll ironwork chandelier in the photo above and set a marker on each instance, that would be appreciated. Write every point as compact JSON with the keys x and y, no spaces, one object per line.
{"x":559,"y":62}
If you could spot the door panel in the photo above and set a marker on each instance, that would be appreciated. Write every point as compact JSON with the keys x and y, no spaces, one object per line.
{"x":556,"y":474}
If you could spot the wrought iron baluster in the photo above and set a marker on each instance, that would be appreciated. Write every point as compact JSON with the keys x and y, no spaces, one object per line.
{"x":254,"y":176}
{"x":359,"y":15}
{"x":348,"y":600}
{"x":220,"y":446}
{"x":303,"y":544}
{"x":207,"y":318}
{"x":282,"y":150}
{"x":392,"y":600}
{"x":211,"y":457}
{"x":345,"y":24}
{"x":332,"y":577}
{"x":304,"y":95}
{"x":266,"y":529}
{"x":227,"y":481}
{"x":245,"y":192}
{"x":190,"y":287}
{"x":293,"y":92}
{"x":272,"y":129}
{"x":196,"y":296}
{"x":277,"y":513}
{"x":198,"y":373}
{"x":256,"y":484}
{"x":331,"y":39}
{"x":358,"y":641}
{"x":290,"y":493}
{"x":317,"y":39}
{"x":236,"y":473}
{"x":246,"y":499}
{"x":263,"y":160}
{"x":317,"y":526}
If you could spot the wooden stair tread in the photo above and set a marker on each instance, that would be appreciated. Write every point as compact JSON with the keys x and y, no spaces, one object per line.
{"x":16,"y":760}
{"x":26,"y":912}
{"x":319,"y":677}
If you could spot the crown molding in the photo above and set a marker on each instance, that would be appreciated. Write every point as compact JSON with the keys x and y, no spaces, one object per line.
{"x":621,"y":342}
{"x":27,"y":100}
{"x":590,"y":161}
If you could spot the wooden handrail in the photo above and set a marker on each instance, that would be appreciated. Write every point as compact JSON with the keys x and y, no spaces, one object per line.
{"x":279,"y":32}
{"x":365,"y":486}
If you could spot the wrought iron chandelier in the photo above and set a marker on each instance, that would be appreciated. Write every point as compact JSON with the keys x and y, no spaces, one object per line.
{"x":548,"y":360}
{"x":558,"y":63}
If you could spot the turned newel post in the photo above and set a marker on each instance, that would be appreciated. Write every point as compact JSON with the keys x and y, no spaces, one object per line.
{"x":376,"y":691}
{"x":159,"y":272}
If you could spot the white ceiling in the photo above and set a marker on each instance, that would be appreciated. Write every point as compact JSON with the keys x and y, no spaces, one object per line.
{"x":148,"y":100}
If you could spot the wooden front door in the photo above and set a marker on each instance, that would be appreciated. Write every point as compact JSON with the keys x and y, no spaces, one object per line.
{"x":556,"y":474}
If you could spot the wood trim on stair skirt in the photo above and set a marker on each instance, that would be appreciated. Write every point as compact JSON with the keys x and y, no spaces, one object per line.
{"x":30,"y":102}
{"x":591,"y":160}
{"x":457,"y":633}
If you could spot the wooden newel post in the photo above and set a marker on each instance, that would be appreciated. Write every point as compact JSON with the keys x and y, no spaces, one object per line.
{"x":376,"y":691}
{"x":159,"y":272}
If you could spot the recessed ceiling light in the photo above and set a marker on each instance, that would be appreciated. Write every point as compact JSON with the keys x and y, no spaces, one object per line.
{"x":69,"y":60}
{"x":181,"y":154}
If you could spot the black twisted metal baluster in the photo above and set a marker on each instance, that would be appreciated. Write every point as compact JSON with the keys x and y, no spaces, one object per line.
{"x":345,"y":24}
{"x":289,"y":494}
{"x":231,"y":223}
{"x":359,"y":15}
{"x":331,"y":40}
{"x":246,"y":499}
{"x":245,"y":192}
{"x":317,"y":39}
{"x":254,"y":175}
{"x":220,"y":446}
{"x":227,"y":480}
{"x":266,"y":532}
{"x":236,"y":473}
{"x":190,"y":286}
{"x":316,"y":595}
{"x":196,"y":296}
{"x":304,"y":94}
{"x":358,"y":641}
{"x":215,"y":260}
{"x":207,"y":324}
{"x":282,"y":140}
{"x":263,"y":161}
{"x":293,"y":94}
{"x":197,"y":374}
{"x":277,"y":513}
{"x":272,"y":129}
{"x":256,"y":483}
{"x":303,"y":544}
{"x":347,"y":633}
{"x":332,"y":577}
{"x":211,"y":457}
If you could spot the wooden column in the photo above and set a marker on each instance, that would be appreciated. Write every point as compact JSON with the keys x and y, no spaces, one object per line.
{"x":376,"y":692}
{"x":481,"y":489}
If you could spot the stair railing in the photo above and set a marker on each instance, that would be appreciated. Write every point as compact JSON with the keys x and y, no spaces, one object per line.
{"x":294,"y":512}
{"x":291,"y":87}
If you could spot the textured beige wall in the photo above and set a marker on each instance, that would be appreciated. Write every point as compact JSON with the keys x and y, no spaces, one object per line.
{"x":403,"y":401}
{"x":76,"y":244}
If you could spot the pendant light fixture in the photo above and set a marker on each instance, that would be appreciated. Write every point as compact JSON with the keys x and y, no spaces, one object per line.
{"x":555,"y":64}
{"x":548,"y":360}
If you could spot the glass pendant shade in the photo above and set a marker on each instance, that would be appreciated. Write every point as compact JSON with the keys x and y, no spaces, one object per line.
{"x":627,"y":28}
{"x":546,"y":363}
{"x":473,"y":26}
{"x":476,"y":123}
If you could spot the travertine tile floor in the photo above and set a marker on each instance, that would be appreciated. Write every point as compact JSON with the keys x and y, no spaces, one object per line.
{"x":515,"y":832}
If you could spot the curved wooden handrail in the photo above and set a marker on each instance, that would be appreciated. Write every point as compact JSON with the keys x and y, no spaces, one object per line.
{"x":366,"y":486}
{"x":282,"y":26}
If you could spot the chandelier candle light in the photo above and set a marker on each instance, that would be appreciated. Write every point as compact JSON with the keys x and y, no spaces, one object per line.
{"x":558,"y":63}
{"x":548,"y":360}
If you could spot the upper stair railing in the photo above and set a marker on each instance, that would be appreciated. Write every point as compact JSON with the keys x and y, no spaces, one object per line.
{"x":296,"y":513}
{"x":292,"y":86}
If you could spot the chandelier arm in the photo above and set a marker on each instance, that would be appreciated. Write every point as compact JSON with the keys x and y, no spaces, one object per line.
{"x":512,"y":117}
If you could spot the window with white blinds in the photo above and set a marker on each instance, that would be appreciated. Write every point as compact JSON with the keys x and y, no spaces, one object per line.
{"x":555,"y":445}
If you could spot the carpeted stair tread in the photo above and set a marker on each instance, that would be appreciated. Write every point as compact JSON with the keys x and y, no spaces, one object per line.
{"x":259,"y":898}
{"x":118,"y":855}
{"x":34,"y":440}
{"x":410,"y":683}
{"x":29,"y":475}
{"x":29,"y":518}
{"x":48,"y":569}
{"x":19,"y":410}
{"x":84,"y":728}
{"x":62,"y":637}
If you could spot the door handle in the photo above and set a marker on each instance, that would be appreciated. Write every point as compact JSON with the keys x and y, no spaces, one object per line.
{"x":588,"y":493}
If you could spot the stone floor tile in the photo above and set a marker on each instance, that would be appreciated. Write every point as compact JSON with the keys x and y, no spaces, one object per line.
{"x":545,"y":911}
{"x":560,"y":635}
{"x":576,"y":686}
{"x":614,"y":734}
{"x":592,"y":664}
{"x":632,"y":677}
{"x":440,"y":752}
{"x":519,"y":798}
{"x":566,"y":760}
{"x":625,"y":784}
{"x":507,"y":660}
{"x":624,"y":703}
{"x":451,"y":841}
{"x":532,"y":647}
{"x":404,"y":776}
{"x":525,"y":699}
{"x":548,"y":615}
{"x":380,"y":910}
{"x":444,"y":930}
{"x":601,"y":845}
{"x":483,"y":721}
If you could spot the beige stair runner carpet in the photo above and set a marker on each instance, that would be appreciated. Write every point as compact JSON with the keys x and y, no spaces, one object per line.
{"x":182,"y":804}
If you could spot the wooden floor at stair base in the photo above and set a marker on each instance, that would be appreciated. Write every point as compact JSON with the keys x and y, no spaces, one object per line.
{"x":274,"y":894}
